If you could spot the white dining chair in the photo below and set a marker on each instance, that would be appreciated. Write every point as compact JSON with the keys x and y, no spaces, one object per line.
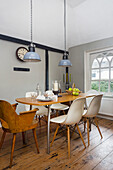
{"x":91,"y":113}
{"x":43,"y":111}
{"x":58,"y":106}
{"x":72,"y":118}
{"x":89,"y":99}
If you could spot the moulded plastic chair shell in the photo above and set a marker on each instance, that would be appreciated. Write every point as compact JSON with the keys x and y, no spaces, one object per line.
{"x":89,"y":99}
{"x":74,"y":114}
{"x":94,"y":107}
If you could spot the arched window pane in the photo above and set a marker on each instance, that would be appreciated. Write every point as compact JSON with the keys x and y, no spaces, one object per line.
{"x":95,"y":85}
{"x":109,"y":56}
{"x":111,"y":73}
{"x":104,"y":86}
{"x":95,"y":64}
{"x":99,"y":59}
{"x":105,"y":74}
{"x":112,"y":63}
{"x":95,"y":74}
{"x":111,"y":86}
{"x":105,"y":63}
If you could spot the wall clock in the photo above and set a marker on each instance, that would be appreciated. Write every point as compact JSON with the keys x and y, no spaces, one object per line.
{"x":20,"y":52}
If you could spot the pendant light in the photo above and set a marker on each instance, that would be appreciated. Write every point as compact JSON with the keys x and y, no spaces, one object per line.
{"x":65,"y":62}
{"x":31,"y":55}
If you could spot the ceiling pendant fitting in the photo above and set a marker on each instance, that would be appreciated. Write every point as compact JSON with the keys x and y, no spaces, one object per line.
{"x":31,"y":55}
{"x":65,"y":62}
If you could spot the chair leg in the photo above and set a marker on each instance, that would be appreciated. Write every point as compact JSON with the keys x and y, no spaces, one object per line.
{"x":84,"y":124}
{"x":36,"y":117}
{"x":68,"y":136}
{"x":64,"y":112}
{"x":12,"y":150}
{"x":73,"y":130}
{"x":40,"y":121}
{"x":81,"y":136}
{"x":54,"y":135}
{"x":2,"y":139}
{"x":98,"y":128}
{"x":23,"y":138}
{"x":88,"y":131}
{"x":56,"y":112}
{"x":35,"y":138}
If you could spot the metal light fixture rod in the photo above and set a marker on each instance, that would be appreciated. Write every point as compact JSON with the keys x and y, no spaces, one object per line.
{"x":31,"y":55}
{"x":65,"y":25}
{"x":31,"y":22}
{"x":65,"y":62}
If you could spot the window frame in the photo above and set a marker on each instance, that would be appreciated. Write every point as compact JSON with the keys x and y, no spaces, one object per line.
{"x":88,"y":61}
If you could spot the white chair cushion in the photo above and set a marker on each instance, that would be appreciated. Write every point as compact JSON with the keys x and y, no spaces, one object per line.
{"x":59,"y":106}
{"x":59,"y":119}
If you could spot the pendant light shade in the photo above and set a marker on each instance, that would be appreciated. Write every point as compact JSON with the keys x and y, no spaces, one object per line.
{"x":65,"y":62}
{"x":31,"y":55}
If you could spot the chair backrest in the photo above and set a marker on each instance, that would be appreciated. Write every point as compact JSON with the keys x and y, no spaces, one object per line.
{"x":75,"y":111}
{"x":29,"y":94}
{"x":8,"y":114}
{"x":89,"y":99}
{"x":94,"y":106}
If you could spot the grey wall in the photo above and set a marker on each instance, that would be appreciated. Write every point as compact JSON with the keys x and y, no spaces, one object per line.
{"x":15,"y":84}
{"x":77,"y":59}
{"x":55,"y":72}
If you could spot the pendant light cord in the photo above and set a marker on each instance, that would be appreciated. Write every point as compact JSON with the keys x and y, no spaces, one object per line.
{"x":31,"y":24}
{"x":65,"y":25}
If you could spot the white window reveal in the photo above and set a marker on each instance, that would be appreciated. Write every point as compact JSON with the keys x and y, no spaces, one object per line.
{"x":101,"y":64}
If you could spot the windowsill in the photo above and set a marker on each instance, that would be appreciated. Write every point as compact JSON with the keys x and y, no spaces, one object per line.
{"x":108,"y":96}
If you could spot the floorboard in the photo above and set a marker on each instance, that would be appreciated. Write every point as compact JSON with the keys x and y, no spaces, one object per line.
{"x":98,"y":156}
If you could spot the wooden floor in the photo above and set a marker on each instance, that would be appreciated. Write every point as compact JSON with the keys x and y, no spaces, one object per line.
{"x":98,"y":156}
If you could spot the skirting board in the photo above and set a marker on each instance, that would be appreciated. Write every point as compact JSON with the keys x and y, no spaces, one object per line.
{"x":105,"y":116}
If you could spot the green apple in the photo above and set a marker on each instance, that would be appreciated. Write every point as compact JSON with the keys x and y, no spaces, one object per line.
{"x":75,"y":93}
{"x":77,"y":90}
{"x":74,"y":90}
{"x":70,"y":89}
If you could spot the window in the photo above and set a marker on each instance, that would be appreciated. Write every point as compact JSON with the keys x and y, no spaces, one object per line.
{"x":101,"y":71}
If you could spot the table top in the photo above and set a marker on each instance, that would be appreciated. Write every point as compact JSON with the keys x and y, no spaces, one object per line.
{"x":65,"y":98}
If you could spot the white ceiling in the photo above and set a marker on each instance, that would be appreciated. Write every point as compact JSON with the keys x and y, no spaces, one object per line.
{"x":87,"y":21}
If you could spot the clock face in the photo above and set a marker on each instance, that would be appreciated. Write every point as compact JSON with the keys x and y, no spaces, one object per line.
{"x":20,"y":52}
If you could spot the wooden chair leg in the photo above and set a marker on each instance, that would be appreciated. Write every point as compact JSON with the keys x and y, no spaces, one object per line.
{"x":98,"y":128}
{"x":81,"y":136}
{"x":40,"y":121}
{"x":2,"y":139}
{"x":56,"y":112}
{"x":64,"y":112}
{"x":35,"y":138}
{"x":84,"y":124}
{"x":12,"y":150}
{"x":88,"y":131}
{"x":36,"y":117}
{"x":73,"y":130}
{"x":68,"y":136}
{"x":54,"y":135}
{"x":23,"y":138}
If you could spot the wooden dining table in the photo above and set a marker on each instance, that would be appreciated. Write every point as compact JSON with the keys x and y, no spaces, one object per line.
{"x":65,"y":97}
